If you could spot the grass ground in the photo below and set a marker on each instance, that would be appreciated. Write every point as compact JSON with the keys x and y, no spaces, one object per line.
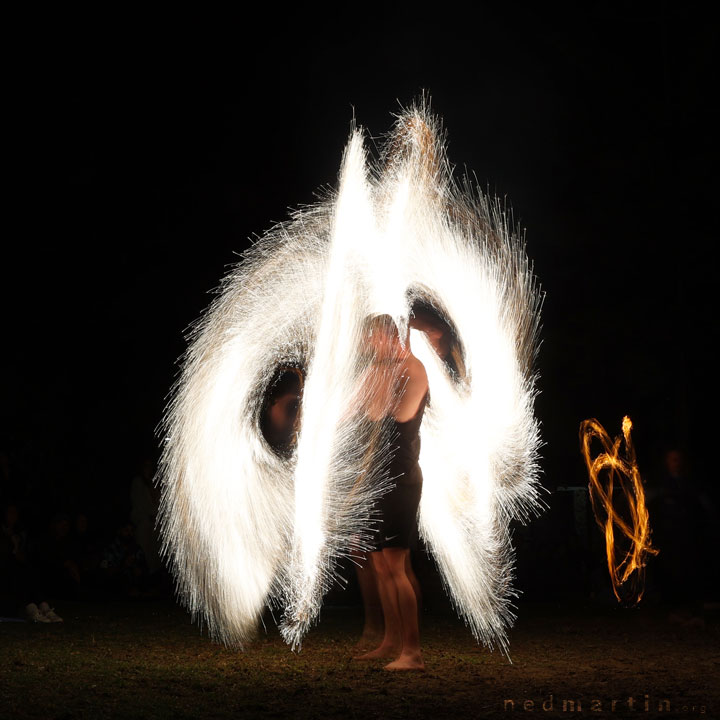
{"x":146,"y":660}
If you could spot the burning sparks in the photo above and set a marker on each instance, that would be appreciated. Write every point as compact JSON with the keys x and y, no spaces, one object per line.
{"x":624,"y":484}
{"x":246,"y":524}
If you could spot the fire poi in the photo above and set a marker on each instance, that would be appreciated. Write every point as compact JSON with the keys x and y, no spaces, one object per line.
{"x":247,"y":523}
{"x":626,"y":558}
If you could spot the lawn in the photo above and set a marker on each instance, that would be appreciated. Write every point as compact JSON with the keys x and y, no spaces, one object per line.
{"x":145,"y":659}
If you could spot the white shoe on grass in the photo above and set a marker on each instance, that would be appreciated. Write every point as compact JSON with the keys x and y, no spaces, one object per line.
{"x":34,"y":615}
{"x":49,"y":613}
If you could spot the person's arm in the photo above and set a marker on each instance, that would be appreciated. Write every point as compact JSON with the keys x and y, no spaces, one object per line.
{"x":414,"y":392}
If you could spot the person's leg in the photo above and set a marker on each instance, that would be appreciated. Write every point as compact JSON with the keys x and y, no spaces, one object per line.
{"x":391,"y":644}
{"x":413,"y":581}
{"x":410,"y":657}
{"x":373,"y":629}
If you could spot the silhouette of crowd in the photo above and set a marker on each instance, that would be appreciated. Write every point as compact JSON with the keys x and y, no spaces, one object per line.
{"x":53,"y":552}
{"x":58,"y":544}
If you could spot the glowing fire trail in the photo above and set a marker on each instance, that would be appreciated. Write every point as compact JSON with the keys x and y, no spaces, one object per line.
{"x":622,"y":474}
{"x":245,"y":526}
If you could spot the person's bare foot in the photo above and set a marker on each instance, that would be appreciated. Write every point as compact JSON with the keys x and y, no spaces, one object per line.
{"x":368,"y":640}
{"x":407,"y":662}
{"x":384,"y":651}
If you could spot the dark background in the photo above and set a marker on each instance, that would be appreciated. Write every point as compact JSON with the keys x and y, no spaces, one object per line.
{"x":146,"y":152}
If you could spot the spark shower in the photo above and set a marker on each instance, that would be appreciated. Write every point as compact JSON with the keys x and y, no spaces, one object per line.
{"x":245,"y":525}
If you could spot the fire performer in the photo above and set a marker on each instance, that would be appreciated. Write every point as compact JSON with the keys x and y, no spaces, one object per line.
{"x":402,"y":388}
{"x":252,"y":518}
{"x":440,"y":336}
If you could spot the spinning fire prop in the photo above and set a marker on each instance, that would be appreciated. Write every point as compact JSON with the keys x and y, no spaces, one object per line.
{"x":623,"y":478}
{"x":247,"y":523}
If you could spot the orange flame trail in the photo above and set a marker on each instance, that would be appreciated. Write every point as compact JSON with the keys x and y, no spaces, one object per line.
{"x":623,"y":475}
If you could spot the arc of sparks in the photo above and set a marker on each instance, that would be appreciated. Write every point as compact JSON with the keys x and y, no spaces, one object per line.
{"x":244,"y":526}
{"x":622,"y":474}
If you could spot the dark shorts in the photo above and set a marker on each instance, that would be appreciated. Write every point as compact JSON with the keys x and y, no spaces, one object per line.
{"x":397,"y":517}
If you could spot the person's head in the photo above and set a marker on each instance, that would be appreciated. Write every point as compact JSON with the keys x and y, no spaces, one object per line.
{"x":279,"y":416}
{"x":147,"y":469}
{"x":11,"y":515}
{"x":81,"y":523}
{"x":383,"y":340}
{"x":674,"y":463}
{"x":126,"y":532}
{"x":60,"y":525}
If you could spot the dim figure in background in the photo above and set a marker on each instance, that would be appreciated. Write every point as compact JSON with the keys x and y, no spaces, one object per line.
{"x":280,"y":415}
{"x":145,"y":499}
{"x":685,"y":574}
{"x":398,"y":396}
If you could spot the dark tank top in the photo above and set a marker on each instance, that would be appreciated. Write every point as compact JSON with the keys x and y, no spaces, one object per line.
{"x":404,"y":466}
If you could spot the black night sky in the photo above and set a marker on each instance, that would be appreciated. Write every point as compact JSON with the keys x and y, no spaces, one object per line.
{"x":150,"y":152}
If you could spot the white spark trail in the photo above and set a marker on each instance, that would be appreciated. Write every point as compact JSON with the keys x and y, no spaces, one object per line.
{"x":244,"y":526}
